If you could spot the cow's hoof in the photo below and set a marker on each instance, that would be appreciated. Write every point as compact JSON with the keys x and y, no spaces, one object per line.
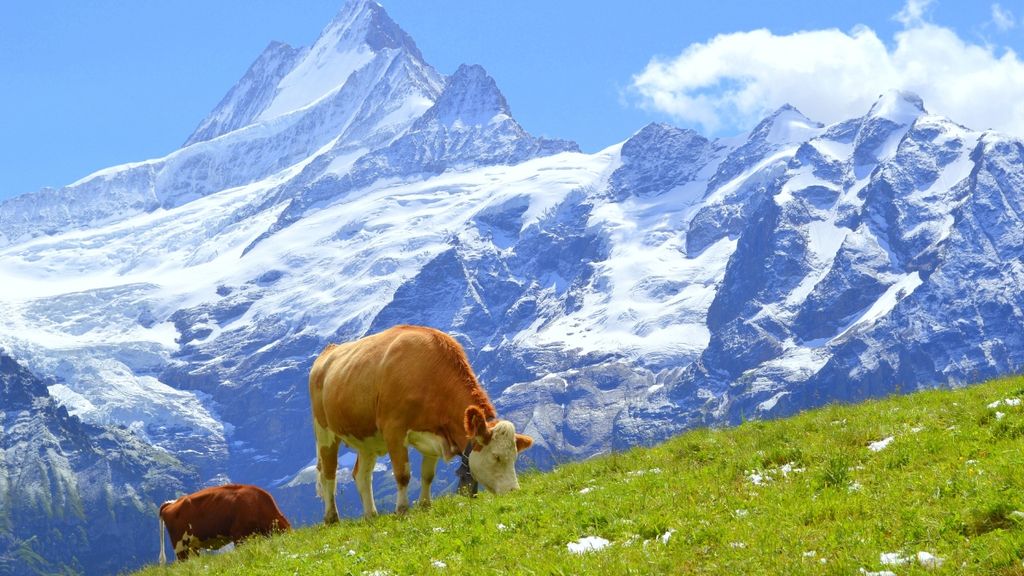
{"x":404,"y":509}
{"x":332,"y":519}
{"x":424,"y":504}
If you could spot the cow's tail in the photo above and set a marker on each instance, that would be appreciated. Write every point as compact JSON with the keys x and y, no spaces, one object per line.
{"x":163,"y":555}
{"x":160,"y":522}
{"x":319,"y":489}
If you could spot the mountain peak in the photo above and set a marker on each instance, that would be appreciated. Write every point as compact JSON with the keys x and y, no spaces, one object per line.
{"x":784,"y":126}
{"x":360,"y":31}
{"x":367,"y":21}
{"x":899,"y":106}
{"x":285,"y":79}
{"x":471,"y":97}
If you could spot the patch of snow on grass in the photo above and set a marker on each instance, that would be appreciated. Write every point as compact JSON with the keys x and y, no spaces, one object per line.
{"x":929,"y":560}
{"x":892,"y":559}
{"x":667,"y":535}
{"x":1005,"y":402}
{"x":881,"y":444}
{"x":588,"y":544}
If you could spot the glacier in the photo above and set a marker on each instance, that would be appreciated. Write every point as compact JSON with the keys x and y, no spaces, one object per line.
{"x":605,"y":300}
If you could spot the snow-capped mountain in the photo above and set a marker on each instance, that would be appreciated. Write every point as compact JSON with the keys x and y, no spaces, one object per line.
{"x":605,"y":299}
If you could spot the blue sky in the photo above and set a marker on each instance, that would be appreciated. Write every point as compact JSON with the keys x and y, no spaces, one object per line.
{"x":89,"y":85}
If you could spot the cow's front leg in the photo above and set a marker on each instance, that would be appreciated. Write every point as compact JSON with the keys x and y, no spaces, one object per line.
{"x":400,"y":466}
{"x":427,"y":469}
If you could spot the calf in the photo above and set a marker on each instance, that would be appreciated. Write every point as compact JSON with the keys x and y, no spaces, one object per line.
{"x":212,"y":517}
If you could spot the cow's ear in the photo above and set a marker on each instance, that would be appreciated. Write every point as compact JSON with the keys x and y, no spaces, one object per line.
{"x":523,"y":442}
{"x":476,"y":425}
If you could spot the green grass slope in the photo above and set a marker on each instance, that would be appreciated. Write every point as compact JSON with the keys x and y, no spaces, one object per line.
{"x":804,"y":495}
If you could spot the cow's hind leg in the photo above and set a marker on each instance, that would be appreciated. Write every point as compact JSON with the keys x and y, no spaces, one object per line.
{"x":327,"y":468}
{"x":427,"y":469}
{"x":400,"y":466}
{"x":363,"y":475}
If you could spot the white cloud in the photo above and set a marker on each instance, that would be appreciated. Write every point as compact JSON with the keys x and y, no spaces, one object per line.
{"x":912,"y":13}
{"x":732,"y":81}
{"x":1002,"y":17}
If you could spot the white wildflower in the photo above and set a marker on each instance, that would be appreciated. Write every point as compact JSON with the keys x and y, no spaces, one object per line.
{"x":789,"y":468}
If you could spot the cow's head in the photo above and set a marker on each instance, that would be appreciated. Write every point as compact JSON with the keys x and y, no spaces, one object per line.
{"x":493,"y":459}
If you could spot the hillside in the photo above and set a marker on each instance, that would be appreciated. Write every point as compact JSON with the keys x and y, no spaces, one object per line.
{"x":830,"y":491}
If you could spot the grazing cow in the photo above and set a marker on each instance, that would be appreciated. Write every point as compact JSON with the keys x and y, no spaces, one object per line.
{"x":406,"y":385}
{"x":212,"y":517}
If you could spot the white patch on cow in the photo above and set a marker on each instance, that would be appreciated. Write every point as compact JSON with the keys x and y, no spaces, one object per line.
{"x":494,"y":465}
{"x":374,"y":445}
{"x":428,"y":444}
{"x":324,"y":437}
{"x":185,"y":543}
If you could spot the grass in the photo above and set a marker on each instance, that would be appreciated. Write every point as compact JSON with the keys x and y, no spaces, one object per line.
{"x":949,"y":483}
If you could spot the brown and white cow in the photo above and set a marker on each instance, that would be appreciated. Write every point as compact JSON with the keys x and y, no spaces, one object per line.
{"x":406,"y":385}
{"x":213,"y":517}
